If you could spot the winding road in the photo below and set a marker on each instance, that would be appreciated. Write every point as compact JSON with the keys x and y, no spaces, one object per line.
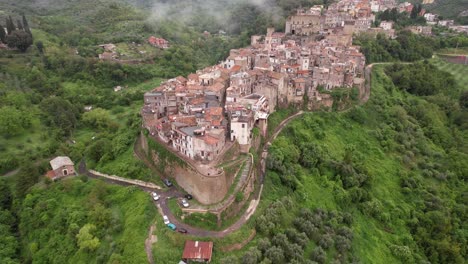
{"x":173,"y":192}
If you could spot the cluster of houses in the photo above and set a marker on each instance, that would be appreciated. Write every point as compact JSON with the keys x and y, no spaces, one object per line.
{"x":349,"y":16}
{"x":110,"y":52}
{"x":433,"y":19}
{"x":198,"y":115}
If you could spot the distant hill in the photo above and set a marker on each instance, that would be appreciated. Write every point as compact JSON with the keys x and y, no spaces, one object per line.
{"x":448,"y":8}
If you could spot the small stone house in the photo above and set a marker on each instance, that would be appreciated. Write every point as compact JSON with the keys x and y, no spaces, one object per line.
{"x":197,"y":251}
{"x":62,"y":166}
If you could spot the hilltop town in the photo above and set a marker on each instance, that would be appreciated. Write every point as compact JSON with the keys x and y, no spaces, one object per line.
{"x":198,"y":115}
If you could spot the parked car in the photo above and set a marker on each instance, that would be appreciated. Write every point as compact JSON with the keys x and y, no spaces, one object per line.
{"x":188,"y":196}
{"x":155,"y":196}
{"x":172,"y":226}
{"x":166,"y":220}
{"x":167,"y":182}
{"x":185,"y":203}
{"x":182,"y":230}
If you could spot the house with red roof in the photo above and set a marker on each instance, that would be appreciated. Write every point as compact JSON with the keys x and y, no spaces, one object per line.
{"x":158,"y":42}
{"x":62,"y":166}
{"x":197,"y":251}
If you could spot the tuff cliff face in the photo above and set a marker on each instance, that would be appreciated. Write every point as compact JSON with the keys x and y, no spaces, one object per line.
{"x":208,"y":185}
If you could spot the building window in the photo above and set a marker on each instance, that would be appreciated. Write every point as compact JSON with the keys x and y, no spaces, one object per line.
{"x":243,"y":125}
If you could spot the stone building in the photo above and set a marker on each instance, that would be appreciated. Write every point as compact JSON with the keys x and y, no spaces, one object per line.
{"x":62,"y":166}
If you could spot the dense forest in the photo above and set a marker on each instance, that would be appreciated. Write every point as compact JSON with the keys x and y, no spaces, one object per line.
{"x":331,"y":195}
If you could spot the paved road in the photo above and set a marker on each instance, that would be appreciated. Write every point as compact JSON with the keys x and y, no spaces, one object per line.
{"x":173,"y":192}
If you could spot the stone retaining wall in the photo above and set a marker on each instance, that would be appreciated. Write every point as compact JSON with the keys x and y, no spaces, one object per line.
{"x":130,"y":181}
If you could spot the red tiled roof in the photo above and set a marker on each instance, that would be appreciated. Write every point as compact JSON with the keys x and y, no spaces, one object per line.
{"x":214,"y":115}
{"x":157,"y":41}
{"x":50,"y":174}
{"x":197,"y":250}
{"x":181,"y":79}
{"x":193,"y":76}
{"x":210,"y":141}
{"x":235,"y":68}
{"x":276,"y":75}
{"x":216,"y":87}
{"x":196,"y":101}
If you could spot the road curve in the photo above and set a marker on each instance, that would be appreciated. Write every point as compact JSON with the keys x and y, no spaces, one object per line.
{"x":173,"y":192}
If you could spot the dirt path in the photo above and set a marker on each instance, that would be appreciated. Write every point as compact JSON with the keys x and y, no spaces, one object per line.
{"x":149,"y":244}
{"x":10,"y":173}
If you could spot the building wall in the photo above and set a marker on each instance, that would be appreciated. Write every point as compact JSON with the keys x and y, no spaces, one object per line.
{"x":297,"y":22}
{"x":60,"y":171}
{"x":239,"y":133}
{"x":206,"y":189}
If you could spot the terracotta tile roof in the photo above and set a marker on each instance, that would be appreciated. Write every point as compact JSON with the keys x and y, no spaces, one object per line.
{"x":193,"y":76}
{"x":181,"y":79}
{"x":214,"y":115}
{"x":50,"y":174}
{"x":216,"y":87}
{"x":210,"y":140}
{"x":236,"y":68}
{"x":187,"y":120}
{"x":197,"y":250}
{"x":275,"y":75}
{"x":195,"y":87}
{"x":197,"y":101}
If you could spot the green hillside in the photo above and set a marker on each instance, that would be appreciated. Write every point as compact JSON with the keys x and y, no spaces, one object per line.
{"x":448,"y":8}
{"x":77,"y":221}
{"x":394,"y":168}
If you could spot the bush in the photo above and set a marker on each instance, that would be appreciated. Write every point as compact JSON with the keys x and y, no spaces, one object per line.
{"x":239,"y":196}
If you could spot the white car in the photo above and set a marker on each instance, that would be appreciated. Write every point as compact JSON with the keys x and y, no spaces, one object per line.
{"x":185,"y":203}
{"x":155,"y":196}
{"x":166,"y":220}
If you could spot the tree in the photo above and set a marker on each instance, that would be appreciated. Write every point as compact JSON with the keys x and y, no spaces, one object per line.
{"x":19,"y":39}
{"x":275,"y":254}
{"x":5,"y":195}
{"x":13,"y":121}
{"x":252,"y":256}
{"x":19,"y":25}
{"x":463,"y":101}
{"x":26,"y":177}
{"x":26,"y":25}
{"x":9,"y":25}
{"x":263,"y":244}
{"x":319,"y":255}
{"x":229,"y":260}
{"x":86,"y":240}
{"x":60,"y":113}
{"x":97,"y":118}
{"x":40,"y":46}
{"x":415,"y":11}
{"x":2,"y":34}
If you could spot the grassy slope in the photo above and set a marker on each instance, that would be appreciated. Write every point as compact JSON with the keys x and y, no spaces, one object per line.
{"x":36,"y":138}
{"x":132,"y":207}
{"x":371,"y":237}
{"x":460,"y":72}
{"x":448,"y":8}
